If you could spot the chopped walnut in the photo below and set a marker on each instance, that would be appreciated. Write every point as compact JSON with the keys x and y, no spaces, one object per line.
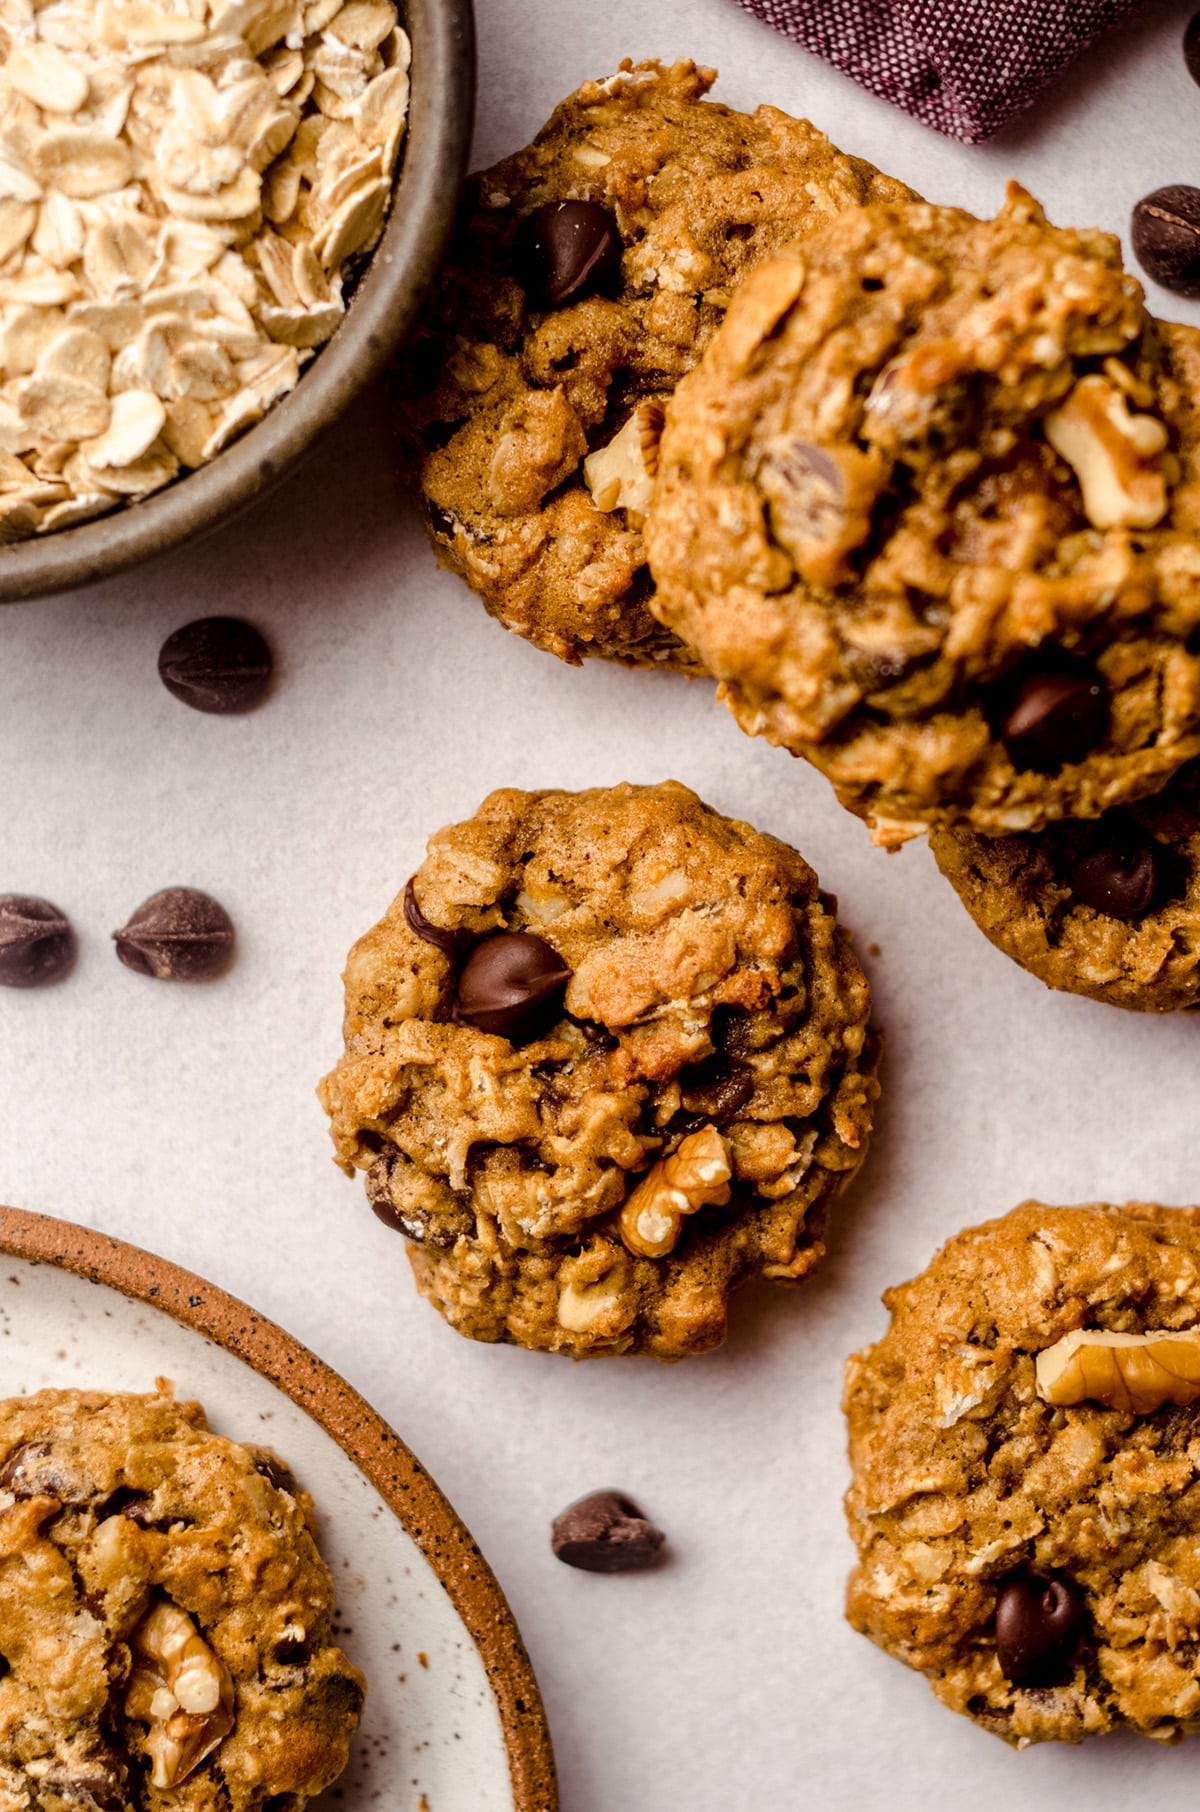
{"x":620,"y":476}
{"x":1113,"y":453}
{"x":181,"y":1689}
{"x":820,"y":501}
{"x":695,"y":1176}
{"x":1137,"y":1373}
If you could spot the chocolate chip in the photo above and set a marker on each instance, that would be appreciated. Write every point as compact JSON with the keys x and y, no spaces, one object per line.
{"x":274,"y":1471}
{"x":1191,"y":47}
{"x":1038,"y":1622}
{"x":1051,"y":714}
{"x":134,"y":1506}
{"x":179,"y":934}
{"x":1120,"y":874}
{"x":37,"y":944}
{"x":97,"y":1785}
{"x":716,"y":1088}
{"x":606,"y":1533}
{"x":446,"y":941}
{"x":512,"y":985}
{"x":1166,"y":237}
{"x":34,"y":1470}
{"x":566,"y":250}
{"x":415,"y":1223}
{"x":216,"y":664}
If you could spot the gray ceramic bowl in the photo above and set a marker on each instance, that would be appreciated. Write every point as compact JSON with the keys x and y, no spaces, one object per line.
{"x":428,"y":182}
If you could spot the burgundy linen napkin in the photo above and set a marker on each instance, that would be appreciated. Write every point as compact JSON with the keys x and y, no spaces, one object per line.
{"x":962,"y":66}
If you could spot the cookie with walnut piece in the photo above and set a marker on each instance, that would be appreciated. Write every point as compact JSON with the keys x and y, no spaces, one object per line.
{"x":165,"y":1617}
{"x":606,"y":1056}
{"x":1025,"y":1449}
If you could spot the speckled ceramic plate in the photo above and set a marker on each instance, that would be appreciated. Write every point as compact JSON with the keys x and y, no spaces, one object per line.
{"x":454,"y":1719}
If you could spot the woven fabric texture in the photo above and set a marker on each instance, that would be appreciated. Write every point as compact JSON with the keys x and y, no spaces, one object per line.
{"x":962,"y":66}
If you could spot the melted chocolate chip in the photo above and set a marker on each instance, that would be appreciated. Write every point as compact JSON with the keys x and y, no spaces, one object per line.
{"x":217,"y":664}
{"x":134,"y":1506}
{"x":446,"y":941}
{"x":1038,"y":1624}
{"x":422,"y":1228}
{"x":606,"y":1533}
{"x":1119,"y":874}
{"x":37,"y":945}
{"x":33,"y":1470}
{"x":275,"y":1472}
{"x":180,"y":934}
{"x":511,"y":985}
{"x":1165,"y":230}
{"x":566,"y":250}
{"x":716,"y":1088}
{"x":1051,"y":714}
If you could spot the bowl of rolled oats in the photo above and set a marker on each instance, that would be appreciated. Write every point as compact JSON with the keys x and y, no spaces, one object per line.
{"x":217,"y":222}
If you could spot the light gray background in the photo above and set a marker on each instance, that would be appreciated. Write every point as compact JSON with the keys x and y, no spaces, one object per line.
{"x":184,"y":1119}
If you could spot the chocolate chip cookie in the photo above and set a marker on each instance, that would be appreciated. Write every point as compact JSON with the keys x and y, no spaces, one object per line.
{"x":1109,"y":908}
{"x":606,"y":1055}
{"x":930,"y":508}
{"x":588,"y":273}
{"x":165,"y":1635}
{"x":1025,"y":1445}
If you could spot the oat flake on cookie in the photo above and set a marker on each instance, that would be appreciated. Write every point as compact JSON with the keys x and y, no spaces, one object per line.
{"x":183,"y":185}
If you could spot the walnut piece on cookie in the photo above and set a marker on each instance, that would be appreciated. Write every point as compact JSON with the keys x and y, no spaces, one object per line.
{"x":606,"y":1056}
{"x":930,"y":508}
{"x":165,"y":1616}
{"x":519,"y":394}
{"x":1108,"y":908}
{"x":1027,"y":1525}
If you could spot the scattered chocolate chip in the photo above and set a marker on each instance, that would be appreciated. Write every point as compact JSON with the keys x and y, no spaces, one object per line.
{"x":1119,"y":874}
{"x":512,"y":985}
{"x":1191,"y":47}
{"x":446,"y":941}
{"x":415,"y":1223}
{"x":1038,"y":1621}
{"x":1166,"y":237}
{"x":34,"y":1470}
{"x":274,"y":1470}
{"x":216,"y":664}
{"x":1050,"y":715}
{"x":37,"y":945}
{"x":716,"y":1088}
{"x":290,"y":1654}
{"x":606,"y":1533}
{"x":566,"y":250}
{"x":179,"y":934}
{"x":98,"y":1785}
{"x":134,"y":1506}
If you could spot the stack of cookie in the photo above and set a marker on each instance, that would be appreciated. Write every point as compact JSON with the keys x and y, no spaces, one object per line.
{"x":919,"y":490}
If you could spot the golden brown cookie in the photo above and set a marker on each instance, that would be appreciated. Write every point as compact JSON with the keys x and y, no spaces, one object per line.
{"x":520,"y":384}
{"x":1025,"y":1446}
{"x":606,"y":1056}
{"x":165,"y":1617}
{"x":930,"y":508}
{"x":1109,"y":908}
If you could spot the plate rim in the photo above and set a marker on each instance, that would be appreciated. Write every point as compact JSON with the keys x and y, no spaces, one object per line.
{"x":369,"y":1442}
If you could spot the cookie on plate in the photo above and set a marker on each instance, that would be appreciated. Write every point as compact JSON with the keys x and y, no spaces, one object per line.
{"x":606,"y":1056}
{"x":587,"y":274}
{"x":1025,"y":1448}
{"x":1109,"y":907}
{"x":930,"y":508}
{"x":164,"y":1616}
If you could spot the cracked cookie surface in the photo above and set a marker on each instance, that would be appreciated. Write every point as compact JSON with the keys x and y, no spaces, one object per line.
{"x":699,"y":1088}
{"x":970,"y":1486}
{"x":164,"y":1616}
{"x":1037,"y":899}
{"x":506,"y":400}
{"x":930,"y":508}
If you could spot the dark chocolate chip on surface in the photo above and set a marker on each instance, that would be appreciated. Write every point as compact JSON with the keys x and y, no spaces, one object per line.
{"x":566,"y":250}
{"x":1191,"y":47}
{"x":179,"y":934}
{"x":1051,"y":715}
{"x":716,"y":1089}
{"x":1120,"y":874}
{"x":216,"y":664}
{"x":606,"y":1533}
{"x":446,"y":941}
{"x":1165,"y":229}
{"x":37,"y":945}
{"x":512,"y":985}
{"x":1038,"y":1624}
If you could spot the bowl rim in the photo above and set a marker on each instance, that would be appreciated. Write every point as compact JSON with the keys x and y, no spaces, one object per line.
{"x":383,"y":308}
{"x":362,"y":1434}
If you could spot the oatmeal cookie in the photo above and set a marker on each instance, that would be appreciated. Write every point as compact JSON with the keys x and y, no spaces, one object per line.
{"x":557,"y":331}
{"x":930,"y":508}
{"x":1108,"y":908}
{"x":164,"y":1616}
{"x":606,"y":1056}
{"x":1025,"y":1446}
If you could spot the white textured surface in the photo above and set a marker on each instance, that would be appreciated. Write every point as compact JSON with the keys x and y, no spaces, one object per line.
{"x":184,"y":1118}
